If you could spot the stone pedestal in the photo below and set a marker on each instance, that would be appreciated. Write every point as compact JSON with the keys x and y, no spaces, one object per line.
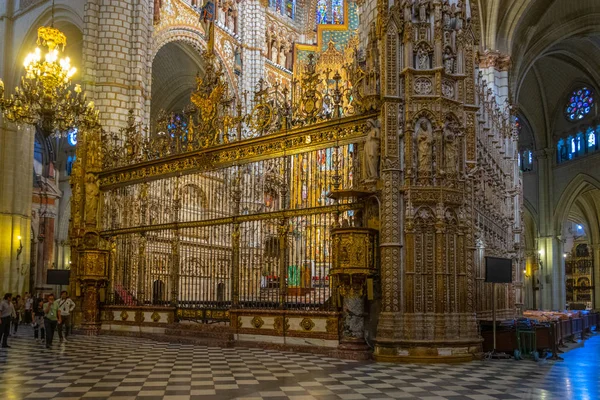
{"x":353,"y":264}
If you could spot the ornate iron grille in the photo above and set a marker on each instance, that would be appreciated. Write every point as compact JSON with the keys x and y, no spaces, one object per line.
{"x":249,"y":235}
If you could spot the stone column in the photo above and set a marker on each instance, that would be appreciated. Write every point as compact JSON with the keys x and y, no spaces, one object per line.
{"x":551,"y":248}
{"x":16,"y":189}
{"x":494,"y":67}
{"x":253,"y":37}
{"x":117,"y":53}
{"x":392,"y":204}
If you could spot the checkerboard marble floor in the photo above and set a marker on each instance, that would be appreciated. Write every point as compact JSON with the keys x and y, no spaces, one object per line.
{"x":108,"y":367}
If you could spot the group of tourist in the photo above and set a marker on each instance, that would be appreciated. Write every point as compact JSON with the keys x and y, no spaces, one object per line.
{"x":46,"y":315}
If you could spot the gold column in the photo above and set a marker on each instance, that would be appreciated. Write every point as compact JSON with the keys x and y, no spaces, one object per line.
{"x":235,"y":264}
{"x":91,"y":251}
{"x":141,"y":284}
{"x":175,"y":247}
{"x":175,"y":261}
{"x":282,"y":233}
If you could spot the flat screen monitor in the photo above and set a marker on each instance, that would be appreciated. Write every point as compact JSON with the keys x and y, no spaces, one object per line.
{"x":498,"y":270}
{"x":58,"y":276}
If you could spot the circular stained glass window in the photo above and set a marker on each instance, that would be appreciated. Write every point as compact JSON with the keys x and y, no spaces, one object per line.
{"x":580,"y":104}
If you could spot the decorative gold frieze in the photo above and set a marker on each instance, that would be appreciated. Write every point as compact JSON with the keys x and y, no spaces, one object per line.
{"x":301,"y":139}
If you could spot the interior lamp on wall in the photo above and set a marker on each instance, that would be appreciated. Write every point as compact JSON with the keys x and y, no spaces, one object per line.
{"x":20,"y":248}
{"x":540,"y":254}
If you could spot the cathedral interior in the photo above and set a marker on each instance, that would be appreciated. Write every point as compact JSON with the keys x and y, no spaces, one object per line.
{"x":330,"y":181}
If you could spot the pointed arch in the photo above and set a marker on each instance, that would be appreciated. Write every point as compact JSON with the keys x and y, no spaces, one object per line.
{"x":574,"y":189}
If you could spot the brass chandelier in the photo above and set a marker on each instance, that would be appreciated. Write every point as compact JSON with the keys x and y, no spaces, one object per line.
{"x":46,"y":97}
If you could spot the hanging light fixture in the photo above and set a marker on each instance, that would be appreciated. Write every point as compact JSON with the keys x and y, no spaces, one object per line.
{"x":46,"y":97}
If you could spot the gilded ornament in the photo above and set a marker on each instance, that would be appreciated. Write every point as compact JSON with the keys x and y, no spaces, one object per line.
{"x":423,"y":86}
{"x":139,"y":316}
{"x":281,"y":324}
{"x":307,"y":324}
{"x":124,"y":315}
{"x":332,"y":325}
{"x":155,"y":316}
{"x":257,"y":322}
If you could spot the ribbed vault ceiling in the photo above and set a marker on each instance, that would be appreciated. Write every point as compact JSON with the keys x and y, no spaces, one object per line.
{"x":585,"y":211}
{"x":174,"y":77}
{"x":554,"y":46}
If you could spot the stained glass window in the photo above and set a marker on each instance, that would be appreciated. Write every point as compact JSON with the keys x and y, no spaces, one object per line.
{"x":526,"y":160}
{"x":330,"y":12}
{"x":70,"y":161}
{"x":290,"y":8}
{"x":591,"y":138}
{"x":284,"y":7}
{"x":580,"y":104}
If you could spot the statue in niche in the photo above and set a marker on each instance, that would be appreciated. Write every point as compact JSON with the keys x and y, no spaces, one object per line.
{"x":424,"y":145}
{"x":157,"y":6}
{"x":274,"y":54}
{"x":92,"y":194}
{"x":446,"y":14}
{"x":423,"y":58}
{"x":450,"y":149}
{"x":282,"y":56}
{"x":453,"y":15}
{"x":423,"y":8}
{"x":449,"y":61}
{"x":459,"y":15}
{"x":372,"y":146}
{"x":237,"y":56}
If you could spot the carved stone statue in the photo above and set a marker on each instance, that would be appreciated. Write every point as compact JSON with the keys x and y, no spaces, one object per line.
{"x":459,"y":15}
{"x":372,"y":146}
{"x":423,"y":8}
{"x":446,"y":14}
{"x":157,"y":6}
{"x":422,"y":58}
{"x":424,"y":146}
{"x":449,"y":61}
{"x":92,"y":195}
{"x":275,"y":54}
{"x":450,"y":149}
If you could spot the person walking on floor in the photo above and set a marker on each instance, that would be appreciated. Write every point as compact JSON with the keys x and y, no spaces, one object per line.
{"x":28,"y":317}
{"x":65,"y":306}
{"x":5,"y":316}
{"x":18,"y":314}
{"x":39,"y":332}
{"x":51,"y":319}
